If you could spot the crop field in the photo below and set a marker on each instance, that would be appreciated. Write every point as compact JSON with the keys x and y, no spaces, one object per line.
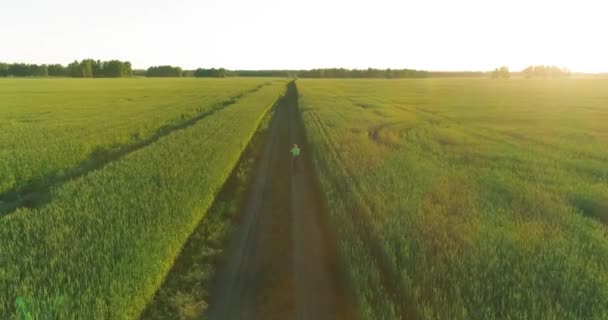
{"x":101,"y":245}
{"x":51,"y":126}
{"x":428,"y":198}
{"x":466,"y":198}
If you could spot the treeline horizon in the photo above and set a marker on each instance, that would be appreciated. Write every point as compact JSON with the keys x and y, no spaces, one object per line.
{"x":173,"y":71}
{"x":90,"y":68}
{"x":87,"y":68}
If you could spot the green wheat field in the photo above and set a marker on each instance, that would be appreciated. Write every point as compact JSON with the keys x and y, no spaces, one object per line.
{"x":478,"y":198}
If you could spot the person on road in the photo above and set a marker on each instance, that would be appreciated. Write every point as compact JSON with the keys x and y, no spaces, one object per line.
{"x":295,"y":154}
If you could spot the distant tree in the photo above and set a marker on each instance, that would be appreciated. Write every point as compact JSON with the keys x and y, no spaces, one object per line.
{"x":139,"y":73}
{"x":260,"y":73}
{"x":127,"y":69}
{"x":39,"y":70}
{"x":456,"y":74}
{"x":97,"y":67}
{"x":18,"y":70}
{"x":112,"y":69}
{"x":82,"y":69}
{"x":23,"y":70}
{"x":501,"y":73}
{"x":541,"y":71}
{"x":86,"y":68}
{"x":199,"y":73}
{"x":57,"y":70}
{"x":213,"y":73}
{"x":73,"y":70}
{"x":364,"y":73}
{"x":117,"y":69}
{"x":164,"y":71}
{"x":188,"y":73}
{"x":4,"y":67}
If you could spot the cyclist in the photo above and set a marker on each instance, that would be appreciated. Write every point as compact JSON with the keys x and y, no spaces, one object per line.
{"x":295,"y":154}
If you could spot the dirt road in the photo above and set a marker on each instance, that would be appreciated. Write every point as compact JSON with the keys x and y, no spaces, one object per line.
{"x":282,"y":263}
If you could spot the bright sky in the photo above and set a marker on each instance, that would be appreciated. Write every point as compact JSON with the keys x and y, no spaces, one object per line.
{"x":287,"y":34}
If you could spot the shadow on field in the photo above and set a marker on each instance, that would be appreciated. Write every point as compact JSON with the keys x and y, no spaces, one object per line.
{"x":37,"y":193}
{"x":594,"y":208}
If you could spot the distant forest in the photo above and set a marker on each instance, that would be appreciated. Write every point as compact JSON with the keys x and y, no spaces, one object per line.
{"x":171,"y":71}
{"x":334,"y":73}
{"x":89,"y":68}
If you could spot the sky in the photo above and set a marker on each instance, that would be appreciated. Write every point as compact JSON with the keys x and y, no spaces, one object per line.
{"x":442,"y":35}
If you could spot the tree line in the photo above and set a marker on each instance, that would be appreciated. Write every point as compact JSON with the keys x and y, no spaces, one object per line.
{"x":87,"y":68}
{"x":164,"y":71}
{"x":362,"y":73}
{"x":172,"y":71}
{"x":314,"y":73}
{"x":539,"y":71}
{"x":23,"y":70}
{"x":501,"y":73}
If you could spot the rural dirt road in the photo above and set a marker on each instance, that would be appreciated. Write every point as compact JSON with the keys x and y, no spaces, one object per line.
{"x":281,"y":263}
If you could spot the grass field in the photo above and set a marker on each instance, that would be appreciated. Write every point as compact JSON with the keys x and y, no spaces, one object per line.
{"x":102,"y":245}
{"x":50,"y":126}
{"x":185,"y":293}
{"x":450,"y":198}
{"x":466,"y":198}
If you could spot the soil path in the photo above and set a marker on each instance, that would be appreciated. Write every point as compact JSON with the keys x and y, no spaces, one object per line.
{"x":282,"y":263}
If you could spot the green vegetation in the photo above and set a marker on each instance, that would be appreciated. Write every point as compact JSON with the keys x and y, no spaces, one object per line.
{"x":89,"y":68}
{"x":545,"y":72}
{"x":501,"y":73}
{"x":452,"y":198}
{"x":185,"y":293}
{"x":210,"y":73}
{"x":466,"y":198}
{"x":24,"y":70}
{"x":164,"y":71}
{"x":362,"y":73}
{"x":50,"y":126}
{"x":102,"y":246}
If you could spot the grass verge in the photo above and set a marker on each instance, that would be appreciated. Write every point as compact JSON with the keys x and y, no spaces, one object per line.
{"x":185,"y":292}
